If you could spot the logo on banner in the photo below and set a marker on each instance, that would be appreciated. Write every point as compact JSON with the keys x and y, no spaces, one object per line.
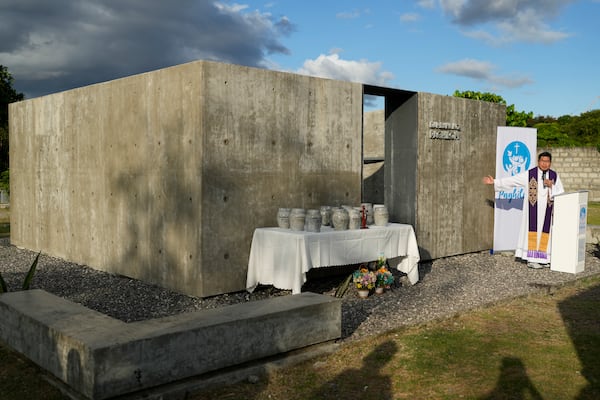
{"x":516,"y":159}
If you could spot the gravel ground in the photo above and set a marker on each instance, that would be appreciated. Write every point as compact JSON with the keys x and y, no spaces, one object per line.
{"x":448,"y":286}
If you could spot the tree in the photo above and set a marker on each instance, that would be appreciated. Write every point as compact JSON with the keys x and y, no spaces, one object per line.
{"x":569,"y":130}
{"x":549,"y":134}
{"x":513,"y":117}
{"x":7,"y":95}
{"x":565,"y":131}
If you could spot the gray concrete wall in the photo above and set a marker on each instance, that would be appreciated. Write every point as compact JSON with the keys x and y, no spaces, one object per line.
{"x":402,"y":156}
{"x":434,"y":183}
{"x":579,"y":168}
{"x":164,"y":176}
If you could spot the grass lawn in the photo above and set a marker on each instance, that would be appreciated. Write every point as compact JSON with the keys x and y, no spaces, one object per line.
{"x":4,"y":222}
{"x":593,"y":213}
{"x":544,"y":346}
{"x":4,"y":215}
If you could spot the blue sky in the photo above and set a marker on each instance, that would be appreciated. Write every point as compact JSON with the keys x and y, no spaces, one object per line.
{"x":540,"y":55}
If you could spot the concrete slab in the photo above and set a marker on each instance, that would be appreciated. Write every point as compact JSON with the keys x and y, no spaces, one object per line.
{"x":100,"y":357}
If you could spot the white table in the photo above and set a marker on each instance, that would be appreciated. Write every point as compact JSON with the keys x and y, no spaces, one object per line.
{"x":282,"y":257}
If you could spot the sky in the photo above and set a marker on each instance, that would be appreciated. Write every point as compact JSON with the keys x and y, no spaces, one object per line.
{"x":540,"y":55}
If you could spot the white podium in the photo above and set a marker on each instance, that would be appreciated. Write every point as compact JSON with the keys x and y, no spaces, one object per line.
{"x":568,"y":232}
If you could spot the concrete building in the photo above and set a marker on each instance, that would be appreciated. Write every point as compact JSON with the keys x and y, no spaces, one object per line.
{"x":164,"y":176}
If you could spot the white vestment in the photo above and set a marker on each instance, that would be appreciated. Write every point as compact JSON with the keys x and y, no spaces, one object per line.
{"x":543,"y":194}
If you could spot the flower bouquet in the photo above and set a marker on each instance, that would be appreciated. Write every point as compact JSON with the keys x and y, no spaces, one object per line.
{"x":383,"y":278}
{"x":364,"y":280}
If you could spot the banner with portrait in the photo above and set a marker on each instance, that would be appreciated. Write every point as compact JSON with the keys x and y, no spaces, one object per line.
{"x":515,"y":153}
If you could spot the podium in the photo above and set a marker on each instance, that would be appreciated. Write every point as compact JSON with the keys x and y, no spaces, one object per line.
{"x":568,"y":232}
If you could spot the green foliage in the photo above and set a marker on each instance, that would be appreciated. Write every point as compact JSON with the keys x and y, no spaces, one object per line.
{"x":484,"y":96}
{"x":564,"y":131}
{"x":341,"y":290}
{"x":5,"y":181}
{"x":550,"y":135}
{"x":568,"y":130}
{"x":7,"y":95}
{"x":4,"y":163}
{"x":28,"y":278}
{"x":586,"y":128}
{"x":513,"y":117}
{"x":517,"y":118}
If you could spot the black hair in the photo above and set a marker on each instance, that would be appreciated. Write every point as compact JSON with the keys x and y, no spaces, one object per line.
{"x":545,"y":154}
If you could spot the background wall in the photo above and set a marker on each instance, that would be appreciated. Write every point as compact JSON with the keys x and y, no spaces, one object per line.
{"x":579,"y":168}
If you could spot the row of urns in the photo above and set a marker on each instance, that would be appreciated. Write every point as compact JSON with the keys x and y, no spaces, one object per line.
{"x":339,"y":218}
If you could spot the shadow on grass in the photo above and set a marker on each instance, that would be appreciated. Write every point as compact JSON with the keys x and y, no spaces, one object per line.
{"x":369,"y":377}
{"x":581,"y":314}
{"x":513,"y":383}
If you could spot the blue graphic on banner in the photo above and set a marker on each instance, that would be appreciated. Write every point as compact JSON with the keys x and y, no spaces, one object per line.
{"x":516,"y":159}
{"x":582,"y":220}
{"x":517,"y":193}
{"x":582,"y":225}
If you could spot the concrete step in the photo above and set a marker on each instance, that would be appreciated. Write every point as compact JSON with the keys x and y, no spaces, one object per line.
{"x":100,"y":357}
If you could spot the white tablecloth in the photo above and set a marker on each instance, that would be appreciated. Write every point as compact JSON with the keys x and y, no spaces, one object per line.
{"x":281,"y":257}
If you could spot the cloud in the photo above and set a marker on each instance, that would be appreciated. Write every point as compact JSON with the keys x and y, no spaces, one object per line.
{"x":352,"y":14}
{"x":426,"y":3}
{"x":507,"y":20}
{"x":63,"y":44}
{"x":483,"y":71}
{"x":527,"y":27}
{"x":409,"y":17}
{"x":348,"y":14}
{"x":333,"y":67}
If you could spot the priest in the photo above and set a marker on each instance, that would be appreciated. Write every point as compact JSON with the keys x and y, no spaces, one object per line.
{"x":541,"y":185}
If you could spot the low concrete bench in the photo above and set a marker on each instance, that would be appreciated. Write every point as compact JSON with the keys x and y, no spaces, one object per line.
{"x":101,"y":357}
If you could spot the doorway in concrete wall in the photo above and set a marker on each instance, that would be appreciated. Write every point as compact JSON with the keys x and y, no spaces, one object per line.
{"x":373,"y":149}
{"x":381,"y":118}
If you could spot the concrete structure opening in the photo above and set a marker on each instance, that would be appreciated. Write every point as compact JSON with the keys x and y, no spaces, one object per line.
{"x":373,"y":149}
{"x":374,"y":134}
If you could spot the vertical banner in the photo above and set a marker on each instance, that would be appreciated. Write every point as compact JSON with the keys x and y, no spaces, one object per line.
{"x":515,"y":153}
